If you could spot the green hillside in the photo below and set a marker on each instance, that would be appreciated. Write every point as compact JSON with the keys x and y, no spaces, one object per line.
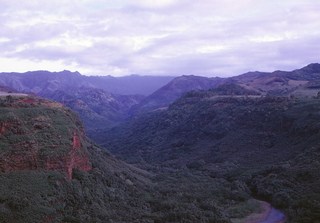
{"x":50,"y":172}
{"x":265,"y":147}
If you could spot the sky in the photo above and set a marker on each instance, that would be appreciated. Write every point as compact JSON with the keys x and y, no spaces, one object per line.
{"x":159,"y":37}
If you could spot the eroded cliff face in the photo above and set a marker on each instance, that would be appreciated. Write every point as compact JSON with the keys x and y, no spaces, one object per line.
{"x":36,"y":134}
{"x":76,"y":158}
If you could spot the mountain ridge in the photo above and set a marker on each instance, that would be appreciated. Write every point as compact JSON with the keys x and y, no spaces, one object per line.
{"x":35,"y":81}
{"x":175,"y":89}
{"x":285,"y":83}
{"x":215,"y":148}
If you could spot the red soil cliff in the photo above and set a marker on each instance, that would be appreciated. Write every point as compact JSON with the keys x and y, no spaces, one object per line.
{"x":28,"y":142}
{"x":76,"y":159}
{"x":26,"y":157}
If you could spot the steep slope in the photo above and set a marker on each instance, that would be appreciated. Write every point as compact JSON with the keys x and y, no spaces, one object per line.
{"x":201,"y":119}
{"x":97,"y":108}
{"x":50,"y":172}
{"x":45,"y":82}
{"x":267,"y":144}
{"x":173,"y":90}
{"x":30,"y":149}
{"x":89,"y":96}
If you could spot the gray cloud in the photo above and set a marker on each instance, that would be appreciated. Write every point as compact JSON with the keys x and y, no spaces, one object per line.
{"x":208,"y":37}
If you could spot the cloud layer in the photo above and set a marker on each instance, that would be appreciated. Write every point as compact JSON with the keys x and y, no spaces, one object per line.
{"x":159,"y":37}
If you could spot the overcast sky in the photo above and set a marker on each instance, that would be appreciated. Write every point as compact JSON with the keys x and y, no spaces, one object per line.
{"x":159,"y":37}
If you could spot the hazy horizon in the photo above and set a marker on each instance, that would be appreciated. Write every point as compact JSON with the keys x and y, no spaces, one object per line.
{"x":168,"y":37}
{"x":150,"y":75}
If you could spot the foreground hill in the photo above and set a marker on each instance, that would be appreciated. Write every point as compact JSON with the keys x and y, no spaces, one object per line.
{"x":269,"y":145}
{"x":32,"y":147}
{"x":50,"y":172}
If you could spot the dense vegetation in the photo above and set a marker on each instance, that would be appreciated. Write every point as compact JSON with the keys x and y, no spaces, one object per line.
{"x":262,"y":147}
{"x":34,"y":131}
{"x":112,"y":191}
{"x":97,"y":108}
{"x":203,"y":157}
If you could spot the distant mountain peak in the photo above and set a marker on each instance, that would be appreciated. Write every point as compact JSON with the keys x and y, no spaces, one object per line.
{"x":313,"y":67}
{"x":69,"y":72}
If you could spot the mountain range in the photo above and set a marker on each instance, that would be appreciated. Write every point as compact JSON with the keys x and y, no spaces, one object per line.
{"x":101,"y":101}
{"x":44,"y":82}
{"x":193,"y":149}
{"x":104,"y":101}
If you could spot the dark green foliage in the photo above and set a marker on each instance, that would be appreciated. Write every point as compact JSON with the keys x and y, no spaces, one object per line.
{"x":30,"y":196}
{"x":97,"y":108}
{"x":36,"y":126}
{"x":206,"y":128}
{"x":31,"y":134}
{"x":98,"y":196}
{"x":268,"y":145}
{"x":209,"y":153}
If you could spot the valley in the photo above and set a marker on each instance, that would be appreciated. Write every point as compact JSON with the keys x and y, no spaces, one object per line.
{"x":243,"y":149}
